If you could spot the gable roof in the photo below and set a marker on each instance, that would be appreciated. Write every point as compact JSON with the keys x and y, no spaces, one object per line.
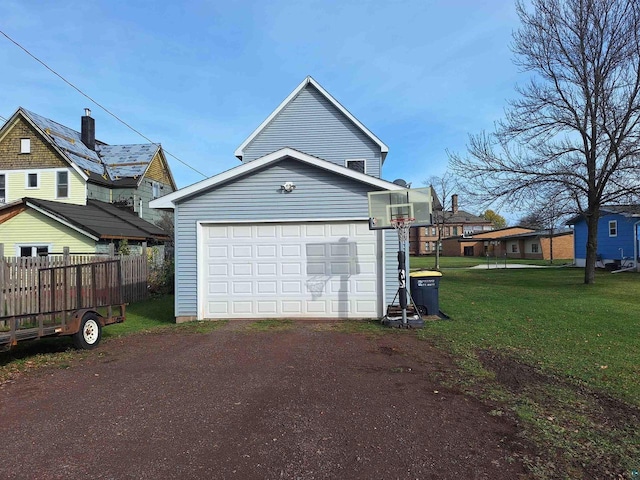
{"x":460,"y":217}
{"x":117,"y":165}
{"x":96,"y":220}
{"x":169,"y":201}
{"x":310,"y":81}
{"x":624,"y":210}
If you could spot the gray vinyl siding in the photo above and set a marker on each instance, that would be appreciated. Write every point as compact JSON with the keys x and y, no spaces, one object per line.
{"x":319,"y":194}
{"x":313,"y":125}
{"x":98,"y":192}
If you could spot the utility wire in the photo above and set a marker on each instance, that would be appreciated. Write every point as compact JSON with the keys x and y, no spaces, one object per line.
{"x":3,"y":119}
{"x":95,"y":102}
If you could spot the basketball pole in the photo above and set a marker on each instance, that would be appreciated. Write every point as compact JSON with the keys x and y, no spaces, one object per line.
{"x":402,"y":280}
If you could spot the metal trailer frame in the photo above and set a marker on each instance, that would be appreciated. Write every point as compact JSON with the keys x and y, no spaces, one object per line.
{"x":68,"y":297}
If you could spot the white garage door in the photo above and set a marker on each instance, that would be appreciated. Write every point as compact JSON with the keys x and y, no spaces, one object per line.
{"x":290,"y":270}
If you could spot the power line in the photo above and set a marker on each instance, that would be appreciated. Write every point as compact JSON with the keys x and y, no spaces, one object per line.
{"x":95,"y":102}
{"x":3,"y":119}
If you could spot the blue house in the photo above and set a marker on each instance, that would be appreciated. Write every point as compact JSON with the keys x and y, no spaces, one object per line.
{"x":618,"y":239}
{"x":286,"y":233}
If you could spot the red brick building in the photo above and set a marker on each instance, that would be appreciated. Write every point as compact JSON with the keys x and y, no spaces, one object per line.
{"x":454,"y":223}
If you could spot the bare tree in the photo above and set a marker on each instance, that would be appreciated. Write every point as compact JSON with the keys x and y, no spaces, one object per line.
{"x":443,"y":187}
{"x":574,"y":132}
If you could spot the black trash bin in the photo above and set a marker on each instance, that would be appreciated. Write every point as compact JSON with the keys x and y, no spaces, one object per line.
{"x":424,"y":291}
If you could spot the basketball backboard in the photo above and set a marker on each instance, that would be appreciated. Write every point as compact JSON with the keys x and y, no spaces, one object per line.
{"x":388,"y":205}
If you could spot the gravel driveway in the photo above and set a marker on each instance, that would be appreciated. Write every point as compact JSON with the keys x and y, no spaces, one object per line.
{"x":308,"y":402}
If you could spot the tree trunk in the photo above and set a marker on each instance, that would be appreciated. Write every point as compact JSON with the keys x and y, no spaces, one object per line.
{"x":592,"y":247}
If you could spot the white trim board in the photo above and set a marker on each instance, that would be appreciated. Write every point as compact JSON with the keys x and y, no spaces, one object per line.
{"x":168,"y":201}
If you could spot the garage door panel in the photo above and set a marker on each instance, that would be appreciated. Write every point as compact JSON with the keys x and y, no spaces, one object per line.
{"x":291,"y":287}
{"x":266,"y":231}
{"x":218,"y":270}
{"x":339,"y":268}
{"x":291,"y":269}
{"x":267,"y":288}
{"x":241,"y":269}
{"x":241,"y":251}
{"x":269,"y":307}
{"x":339,"y":229}
{"x":266,"y":251}
{"x":242,"y":307}
{"x":266,"y":269}
{"x":291,"y":250}
{"x":313,"y":270}
{"x":291,"y":231}
{"x":242,"y":231}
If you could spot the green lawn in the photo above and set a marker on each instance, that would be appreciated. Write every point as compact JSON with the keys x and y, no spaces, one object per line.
{"x":549,"y":318}
{"x":583,"y":339}
{"x":428,"y":262}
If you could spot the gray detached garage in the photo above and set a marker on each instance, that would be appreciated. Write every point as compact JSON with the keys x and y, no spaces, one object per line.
{"x":286,"y":233}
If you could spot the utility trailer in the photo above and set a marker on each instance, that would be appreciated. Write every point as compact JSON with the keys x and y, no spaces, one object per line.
{"x":77,"y":300}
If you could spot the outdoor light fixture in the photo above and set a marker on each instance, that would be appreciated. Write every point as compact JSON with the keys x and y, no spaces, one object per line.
{"x":288,"y":187}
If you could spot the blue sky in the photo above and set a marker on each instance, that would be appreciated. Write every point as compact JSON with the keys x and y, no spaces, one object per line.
{"x":200,"y":76}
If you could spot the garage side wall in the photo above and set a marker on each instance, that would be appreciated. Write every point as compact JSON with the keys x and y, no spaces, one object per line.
{"x":318,"y":195}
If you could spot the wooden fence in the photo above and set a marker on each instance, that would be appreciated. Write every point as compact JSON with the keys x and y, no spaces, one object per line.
{"x":19,"y":279}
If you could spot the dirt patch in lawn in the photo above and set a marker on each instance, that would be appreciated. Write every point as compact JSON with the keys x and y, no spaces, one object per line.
{"x":593,"y":434}
{"x":304,"y":402}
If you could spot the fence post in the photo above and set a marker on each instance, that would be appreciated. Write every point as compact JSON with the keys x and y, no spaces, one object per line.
{"x":112,"y":250}
{"x":3,"y":283}
{"x":65,"y":255}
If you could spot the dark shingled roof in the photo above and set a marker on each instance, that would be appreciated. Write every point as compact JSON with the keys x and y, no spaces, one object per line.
{"x":102,"y":220}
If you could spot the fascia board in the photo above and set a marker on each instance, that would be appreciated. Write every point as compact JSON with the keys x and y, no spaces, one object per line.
{"x":168,"y":201}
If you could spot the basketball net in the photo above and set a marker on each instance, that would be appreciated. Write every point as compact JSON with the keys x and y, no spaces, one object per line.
{"x":402,"y":226}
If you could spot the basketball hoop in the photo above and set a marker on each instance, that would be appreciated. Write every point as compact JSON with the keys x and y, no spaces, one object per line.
{"x":402,"y":226}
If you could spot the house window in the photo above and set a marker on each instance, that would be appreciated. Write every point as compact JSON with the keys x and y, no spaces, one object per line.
{"x":434,"y":231}
{"x":155,"y":186}
{"x":427,"y":246}
{"x":357,"y":165}
{"x":32,"y":250}
{"x":447,"y":231}
{"x":3,"y":188}
{"x":455,"y":231}
{"x":25,"y":145}
{"x":62,"y":187}
{"x":534,"y":248}
{"x":33,"y":180}
{"x":613,"y":228}
{"x":514,"y":248}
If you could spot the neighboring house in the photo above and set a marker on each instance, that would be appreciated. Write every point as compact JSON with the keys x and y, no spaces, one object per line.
{"x":479,"y":244}
{"x":42,"y":159}
{"x":285,"y":234}
{"x":540,"y":244}
{"x":618,"y":236}
{"x":31,"y":226}
{"x":455,"y":222}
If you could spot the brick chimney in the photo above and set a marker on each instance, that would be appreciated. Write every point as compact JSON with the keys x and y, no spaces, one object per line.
{"x":454,"y":203}
{"x":88,"y":130}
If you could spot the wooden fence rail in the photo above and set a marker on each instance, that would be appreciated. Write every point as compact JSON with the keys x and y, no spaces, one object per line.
{"x":19,"y":279}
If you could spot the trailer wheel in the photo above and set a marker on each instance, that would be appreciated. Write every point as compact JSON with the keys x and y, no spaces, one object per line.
{"x":90,"y":332}
{"x":422,"y":310}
